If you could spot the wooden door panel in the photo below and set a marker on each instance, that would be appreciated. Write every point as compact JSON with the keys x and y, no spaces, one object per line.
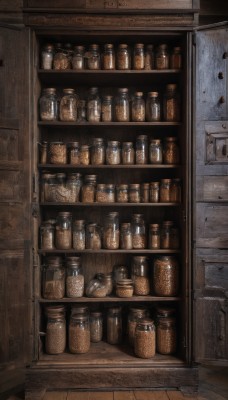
{"x":211,"y":225}
{"x":212,"y":188}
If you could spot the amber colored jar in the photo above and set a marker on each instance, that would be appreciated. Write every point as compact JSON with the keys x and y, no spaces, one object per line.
{"x":145,"y":339}
{"x":93,"y":237}
{"x":166,"y":234}
{"x":171,"y":104}
{"x":149,"y":57}
{"x":113,"y":152}
{"x":88,"y":189}
{"x":134,"y":193}
{"x":145,"y":192}
{"x":55,"y":339}
{"x":165,"y":190}
{"x":44,"y":152}
{"x":135,"y":315}
{"x":122,"y":195}
{"x":63,"y":231}
{"x":78,"y":59}
{"x":47,"y":236}
{"x":93,"y":57}
{"x":96,"y":326}
{"x":171,"y":151}
{"x":114,"y":325}
{"x":154,"y":236}
{"x":162,"y":57}
{"x":155,"y":151}
{"x":123,"y":57}
{"x":154,"y":192}
{"x":108,"y":58}
{"x":166,"y":276}
{"x":138,"y":56}
{"x":58,"y":153}
{"x":175,"y":191}
{"x":107,"y":109}
{"x":84,"y":154}
{"x":166,"y":336}
{"x":62,"y":57}
{"x":176,"y":58}
{"x":79,"y":334}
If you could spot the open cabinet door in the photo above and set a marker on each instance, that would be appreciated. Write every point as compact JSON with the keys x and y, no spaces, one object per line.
{"x":210,"y":272}
{"x":15,"y":209}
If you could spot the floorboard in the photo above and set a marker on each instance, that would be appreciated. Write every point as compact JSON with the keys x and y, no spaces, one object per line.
{"x":151,"y":395}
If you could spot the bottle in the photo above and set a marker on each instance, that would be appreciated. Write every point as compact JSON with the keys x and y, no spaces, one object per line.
{"x":145,"y":192}
{"x":145,"y":339}
{"x":134,"y":193}
{"x":108,"y":57}
{"x":79,"y":334}
{"x":47,"y":55}
{"x":140,"y":275}
{"x":166,"y":234}
{"x":166,"y":336}
{"x":114,"y":325}
{"x":141,"y":154}
{"x":68,"y":106}
{"x":123,"y":57}
{"x":47,"y":236}
{"x":54,"y":279}
{"x":162,"y":57}
{"x":111,"y":239}
{"x":138,"y":107}
{"x":171,"y":104}
{"x":138,"y":57}
{"x":94,"y":57}
{"x":93,"y":105}
{"x":153,"y":107}
{"x":84,"y":154}
{"x":154,"y":192}
{"x":78,"y":59}
{"x":166,"y":276}
{"x":121,"y":108}
{"x":155,"y":151}
{"x":73,"y":185}
{"x":63,"y":231}
{"x":48,"y":105}
{"x":122,"y":195}
{"x":55,"y":339}
{"x":74,"y":278}
{"x":176,"y":58}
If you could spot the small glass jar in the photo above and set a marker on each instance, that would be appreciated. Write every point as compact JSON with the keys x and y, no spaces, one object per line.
{"x":138,"y":56}
{"x":111,"y":239}
{"x":96,"y":326}
{"x":48,"y":182}
{"x":79,"y":334}
{"x":141,"y":154}
{"x":63,"y":231}
{"x":140,"y":275}
{"x":94,"y":57}
{"x":171,"y":151}
{"x":134,"y":193}
{"x":122,"y":195}
{"x":93,"y":237}
{"x":138,"y":232}
{"x":55,"y":338}
{"x":61,"y":193}
{"x":96,"y":288}
{"x":73,"y":153}
{"x":79,"y":235}
{"x":53,"y":279}
{"x":93,"y":105}
{"x":145,"y":193}
{"x":128,"y":153}
{"x":176,"y":58}
{"x":138,"y":107}
{"x":145,"y":339}
{"x":124,"y":288}
{"x":155,"y":151}
{"x":58,"y":153}
{"x":78,"y":59}
{"x":68,"y":106}
{"x":175,"y":191}
{"x":108,"y":59}
{"x":108,"y":282}
{"x":153,"y":107}
{"x":48,"y":105}
{"x":125,"y":236}
{"x":121,"y":106}
{"x":134,"y":316}
{"x":113,"y":152}
{"x":81,"y":111}
{"x":105,"y":193}
{"x":166,"y":276}
{"x":166,"y":234}
{"x":88,"y":189}
{"x":74,"y":278}
{"x":98,"y":151}
{"x":154,"y":192}
{"x":62,"y":57}
{"x":162,"y":57}
{"x":84,"y":154}
{"x":171,"y":104}
{"x":73,"y":185}
{"x":47,"y":55}
{"x":149,"y":57}
{"x":114,"y":325}
{"x":107,"y":109}
{"x":47,"y":236}
{"x":123,"y":57}
{"x":166,"y":336}
{"x":119,"y":272}
{"x":165,"y":190}
{"x":154,"y":236}
{"x":43,"y":153}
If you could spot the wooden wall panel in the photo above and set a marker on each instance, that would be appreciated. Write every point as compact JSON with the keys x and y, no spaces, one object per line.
{"x":212,"y":188}
{"x":9,"y":149}
{"x":211,"y":225}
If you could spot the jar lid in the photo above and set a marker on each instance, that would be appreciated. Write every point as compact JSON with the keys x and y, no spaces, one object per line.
{"x":140,"y":259}
{"x":75,"y":309}
{"x":122,"y":186}
{"x":166,"y":180}
{"x":80,"y":222}
{"x":96,"y":314}
{"x":73,"y":144}
{"x":168,"y":223}
{"x":155,"y":141}
{"x":127,"y":144}
{"x":48,"y":46}
{"x":49,"y":90}
{"x":84,"y":147}
{"x":142,"y":137}
{"x":98,"y":140}
{"x":154,"y":226}
{"x":137,"y":216}
{"x":74,"y":175}
{"x":171,"y":139}
{"x":69,"y":91}
{"x":120,"y":268}
{"x":145,"y":185}
{"x":55,"y":311}
{"x":138,"y":310}
{"x":79,"y":317}
{"x":101,"y":186}
{"x":91,"y":177}
{"x":94,"y":46}
{"x":124,"y":282}
{"x":145,"y":321}
{"x":57,"y":144}
{"x":126,"y":225}
{"x":79,"y":48}
{"x":153,"y":94}
{"x":107,"y":97}
{"x":171,"y":86}
{"x":114,"y":310}
{"x":123,"y":46}
{"x":165,"y":311}
{"x":123,"y":90}
{"x":113,"y":143}
{"x":138,"y":94}
{"x":134,"y":186}
{"x":139,"y":45}
{"x":54,"y":261}
{"x":51,"y":221}
{"x":108,"y":46}
{"x":46,"y":225}
{"x":156,"y":184}
{"x":109,"y":186}
{"x":64,"y":214}
{"x":113,"y":214}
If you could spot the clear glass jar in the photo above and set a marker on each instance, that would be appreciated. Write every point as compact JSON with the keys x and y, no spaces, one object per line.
{"x":79,"y":235}
{"x":166,"y":276}
{"x":124,"y":288}
{"x":145,"y":193}
{"x":171,"y":151}
{"x":119,"y":272}
{"x":111,"y":239}
{"x":154,"y":236}
{"x":81,"y":111}
{"x":88,"y":189}
{"x":108,"y":59}
{"x":58,"y":153}
{"x":48,"y":105}
{"x":73,"y":185}
{"x":162,"y":57}
{"x":171,"y":104}
{"x":176,"y":58}
{"x":175,"y":191}
{"x":84,"y":154}
{"x":73,"y":153}
{"x":166,"y":336}
{"x":114,"y":325}
{"x":98,"y":151}
{"x":96,"y":288}
{"x":155,"y":151}
{"x":123,"y":57}
{"x":48,"y":186}
{"x":105,"y":193}
{"x":68,"y":106}
{"x":145,"y":339}
{"x":140,"y":275}
{"x":60,"y":192}
{"x":107,"y":109}
{"x":62,"y":57}
{"x":154,"y":192}
{"x":135,"y":315}
{"x":74,"y":278}
{"x":138,"y":107}
{"x":93,"y":105}
{"x":96,"y":326}
{"x":166,"y":234}
{"x":108,"y":282}
{"x":165,"y":190}
{"x":149,"y":57}
{"x":113,"y":152}
{"x":55,"y":338}
{"x":138,"y":56}
{"x":121,"y":106}
{"x":94,"y":57}
{"x":93,"y":237}
{"x":47,"y":236}
{"x":47,"y":55}
{"x":125,"y":236}
{"x":53,"y":279}
{"x":141,"y":154}
{"x":63,"y":231}
{"x":153,"y":107}
{"x":122,"y":193}
{"x":134,"y":193}
{"x":79,"y":334}
{"x":128,"y":153}
{"x":138,"y":232}
{"x":78,"y":59}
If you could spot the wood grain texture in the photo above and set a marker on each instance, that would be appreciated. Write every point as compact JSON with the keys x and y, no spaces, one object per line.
{"x":159,"y":395}
{"x":55,"y":396}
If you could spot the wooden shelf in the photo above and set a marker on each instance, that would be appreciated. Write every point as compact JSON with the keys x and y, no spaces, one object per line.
{"x":48,"y":204}
{"x":105,"y":166}
{"x":104,"y":251}
{"x":111,"y":299}
{"x":107,"y":124}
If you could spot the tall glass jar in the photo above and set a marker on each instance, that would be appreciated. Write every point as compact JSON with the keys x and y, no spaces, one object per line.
{"x":107,"y":109}
{"x":84,"y":154}
{"x":63,"y":231}
{"x":122,"y":195}
{"x":140,"y":275}
{"x":153,"y":107}
{"x":128,"y":153}
{"x":138,"y":107}
{"x":58,"y":153}
{"x":79,"y":334}
{"x":119,"y":272}
{"x":54,"y":279}
{"x":48,"y":105}
{"x":47,"y":55}
{"x":73,"y":185}
{"x":138,"y":232}
{"x":165,"y":190}
{"x":114,"y":325}
{"x":141,"y":154}
{"x":62,"y":57}
{"x":73,"y":153}
{"x":175,"y":190}
{"x":154,"y":192}
{"x":149,"y":57}
{"x":154,"y":236}
{"x":134,"y":193}
{"x":121,"y":106}
{"x":108,"y":59}
{"x":96,"y":326}
{"x":68,"y":106}
{"x":166,"y":234}
{"x":162,"y":57}
{"x":78,"y":59}
{"x":47,"y":236}
{"x":89,"y":189}
{"x":138,"y":56}
{"x":113,"y":152}
{"x":135,"y":315}
{"x":166,"y":336}
{"x":94,"y":57}
{"x":55,"y":339}
{"x":123,"y":57}
{"x":93,"y":105}
{"x":171,"y":103}
{"x":145,"y":192}
{"x":98,"y":151}
{"x":125,"y":236}
{"x":111,"y":239}
{"x":176,"y":58}
{"x":93,"y":237}
{"x":166,"y":276}
{"x":145,"y":339}
{"x":155,"y":151}
{"x":171,"y":151}
{"x":74,"y":278}
{"x":79,"y":235}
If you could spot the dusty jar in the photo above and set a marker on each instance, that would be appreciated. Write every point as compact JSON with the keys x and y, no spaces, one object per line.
{"x":166,"y":336}
{"x":124,"y":288}
{"x":93,"y":237}
{"x":138,"y":107}
{"x":96,"y":326}
{"x":171,"y":104}
{"x":175,"y":190}
{"x":165,"y":190}
{"x":107,"y":109}
{"x":48,"y":105}
{"x":166,"y":234}
{"x":176,"y":58}
{"x":54,"y":279}
{"x":123,"y":57}
{"x":138,"y":232}
{"x":79,"y":334}
{"x":47,"y":236}
{"x":105,"y":193}
{"x":128,"y":153}
{"x":93,"y":57}
{"x":134,"y":316}
{"x":162,"y":57}
{"x":111,"y":239}
{"x":98,"y":151}
{"x":62,"y":57}
{"x":138,"y":56}
{"x":140,"y":275}
{"x":84,"y":154}
{"x":78,"y":59}
{"x":79,"y":235}
{"x":96,"y":288}
{"x":73,"y":185}
{"x":171,"y":151}
{"x":58,"y":153}
{"x":154,"y":236}
{"x":145,"y":339}
{"x":134,"y":193}
{"x":113,"y":152}
{"x":81,"y":111}
{"x":88,"y":189}
{"x":55,"y":339}
{"x":47,"y":55}
{"x":166,"y":276}
{"x":108,"y":58}
{"x":68,"y":106}
{"x":74,"y":278}
{"x":149,"y":57}
{"x":122,"y":193}
{"x":153,"y":107}
{"x":141,"y":153}
{"x":73,"y":153}
{"x":114,"y":325}
{"x":155,"y":151}
{"x":63,"y":231}
{"x":93,"y":105}
{"x":121,"y":106}
{"x":154,"y":192}
{"x":145,"y":192}
{"x":125,"y":236}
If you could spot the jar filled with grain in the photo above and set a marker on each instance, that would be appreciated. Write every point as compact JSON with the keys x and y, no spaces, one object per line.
{"x":81,"y":111}
{"x":154,"y":236}
{"x":171,"y":103}
{"x":138,"y":56}
{"x":138,"y":107}
{"x":48,"y":104}
{"x":93,"y":105}
{"x":128,"y":153}
{"x":96,"y":288}
{"x":58,"y":153}
{"x":166,"y":276}
{"x":166,"y":336}
{"x":162,"y":57}
{"x":68,"y":106}
{"x":125,"y":236}
{"x":84,"y":154}
{"x":62,"y":192}
{"x":48,"y":183}
{"x":165,"y":190}
{"x":138,"y":232}
{"x":119,"y":272}
{"x":98,"y":151}
{"x":121,"y":106}
{"x":47,"y":55}
{"x":114,"y":325}
{"x":149,"y":57}
{"x":105,"y":193}
{"x":145,"y":339}
{"x":54,"y":279}
{"x":55,"y":339}
{"x":134,"y":193}
{"x":62,"y":57}
{"x":94,"y":57}
{"x":88,"y":189}
{"x":107,"y":109}
{"x":171,"y":151}
{"x":175,"y":191}
{"x":74,"y":184}
{"x":108,"y":59}
{"x":140,"y":275}
{"x":74,"y":278}
{"x":47,"y":236}
{"x":136,"y":314}
{"x":73,"y":153}
{"x":63,"y":231}
{"x":113,"y":152}
{"x":153,"y":107}
{"x":155,"y":151}
{"x":122,"y":193}
{"x":96,"y":326}
{"x":123,"y":57}
{"x":141,"y":154}
{"x":154,"y":192}
{"x":78,"y":59}
{"x":79,"y":334}
{"x":145,"y":192}
{"x":43,"y":152}
{"x":166,"y":234}
{"x":176,"y":58}
{"x":111,"y":239}
{"x":93,"y":236}
{"x":124,"y":288}
{"x":79,"y":235}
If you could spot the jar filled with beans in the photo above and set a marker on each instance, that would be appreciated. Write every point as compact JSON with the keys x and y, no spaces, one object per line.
{"x":84,"y":154}
{"x":154,"y":192}
{"x":125,"y":236}
{"x":79,"y":234}
{"x":162,"y":57}
{"x":88,"y":189}
{"x":166,"y":336}
{"x":134,"y":193}
{"x":166,"y":276}
{"x":155,"y":151}
{"x":62,"y":57}
{"x":141,"y":154}
{"x":171,"y":151}
{"x":96,"y":326}
{"x":73,"y":153}
{"x":107,"y":109}
{"x":79,"y":334}
{"x":145,"y":192}
{"x":166,"y":234}
{"x":145,"y":339}
{"x":111,"y":239}
{"x":171,"y":103}
{"x":93,"y":105}
{"x":96,"y":288}
{"x":138,"y":107}
{"x":138,"y":232}
{"x":176,"y":58}
{"x":108,"y":59}
{"x":93,"y":57}
{"x":78,"y":59}
{"x":98,"y":151}
{"x":121,"y":106}
{"x":54,"y":279}
{"x":149,"y":57}
{"x":128,"y":153}
{"x":175,"y":191}
{"x":47,"y":236}
{"x":55,"y":338}
{"x":74,"y":278}
{"x":93,"y":236}
{"x":135,"y":315}
{"x":124,"y":288}
{"x":153,"y":107}
{"x":154,"y":236}
{"x":48,"y":104}
{"x":113,"y":152}
{"x":122,"y":193}
{"x":58,"y":153}
{"x":68,"y":106}
{"x":63,"y":231}
{"x":74,"y":184}
{"x":123,"y":57}
{"x":114,"y":325}
{"x":105,"y":193}
{"x":140,"y":275}
{"x":138,"y":56}
{"x":165,"y":190}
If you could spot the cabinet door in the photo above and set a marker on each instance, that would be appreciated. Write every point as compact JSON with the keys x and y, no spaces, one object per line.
{"x":15,"y":232}
{"x":210,"y":231}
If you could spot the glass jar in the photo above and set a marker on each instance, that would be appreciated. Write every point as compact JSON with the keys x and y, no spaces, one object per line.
{"x":155,"y":151}
{"x":43,"y":153}
{"x":53,"y":279}
{"x":78,"y":59}
{"x":81,"y":111}
{"x":74,"y":278}
{"x":62,"y":57}
{"x":141,"y":154}
{"x":47,"y":236}
{"x":171,"y":104}
{"x":47,"y":187}
{"x":68,"y":106}
{"x":145,"y":340}
{"x":125,"y":236}
{"x":119,"y":272}
{"x":88,"y":189}
{"x":114,"y":325}
{"x":121,"y":106}
{"x":138,"y":107}
{"x":153,"y":107}
{"x":122,"y":193}
{"x":162,"y":57}
{"x":79,"y":235}
{"x":165,"y":190}
{"x":175,"y":191}
{"x":145,"y":192}
{"x":166,"y":234}
{"x":176,"y":58}
{"x":47,"y":55}
{"x":166,"y":276}
{"x":93,"y":237}
{"x":79,"y":334}
{"x":138,"y":232}
{"x":166,"y":336}
{"x":108,"y":282}
{"x":123,"y":57}
{"x":107,"y":109}
{"x":55,"y":338}
{"x":171,"y":151}
{"x":124,"y":288}
{"x":111,"y":239}
{"x":134,"y":193}
{"x":134,"y":316}
{"x":154,"y":192}
{"x":140,"y":275}
{"x":128,"y":153}
{"x":73,"y":185}
{"x":138,"y":56}
{"x":109,"y":57}
{"x":58,"y":153}
{"x":149,"y":57}
{"x":73,"y":153}
{"x":93,"y":105}
{"x":113,"y":152}
{"x":105,"y":193}
{"x":84,"y":154}
{"x":96,"y":288}
{"x":60,"y":192}
{"x":98,"y":152}
{"x":154,"y":236}
{"x":96,"y":326}
{"x":48,"y":105}
{"x":63,"y":231}
{"x":94,"y":57}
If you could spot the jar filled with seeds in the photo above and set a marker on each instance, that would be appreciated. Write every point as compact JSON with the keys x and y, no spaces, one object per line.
{"x":78,"y":59}
{"x":119,"y":272}
{"x":74,"y":184}
{"x":68,"y":106}
{"x":62,"y":193}
{"x":145,"y":192}
{"x":134,"y":193}
{"x":96,"y":288}
{"x":138,"y":232}
{"x":141,"y":154}
{"x":63,"y":231}
{"x":162,"y":57}
{"x":58,"y":153}
{"x":62,"y":57}
{"x":165,"y":190}
{"x":175,"y":191}
{"x":122,"y":193}
{"x":123,"y":57}
{"x":43,"y":152}
{"x":113,"y":152}
{"x":166,"y":234}
{"x":105,"y":193}
{"x":124,"y":288}
{"x":93,"y":237}
{"x":166,"y":336}
{"x":145,"y":339}
{"x":138,"y":107}
{"x":155,"y":151}
{"x":93,"y":57}
{"x":96,"y":326}
{"x":171,"y":151}
{"x":47,"y":236}
{"x":140,"y":275}
{"x":73,"y":153}
{"x":108,"y":58}
{"x":154,"y":192}
{"x":81,"y":111}
{"x":135,"y":315}
{"x":79,"y":334}
{"x":138,"y":56}
{"x":166,"y":276}
{"x":128,"y":153}
{"x":154,"y":236}
{"x":48,"y":105}
{"x":93,"y":105}
{"x":153,"y":107}
{"x":149,"y":57}
{"x":114,"y":325}
{"x":88,"y":189}
{"x":171,"y":104}
{"x":55,"y":338}
{"x":107,"y":109}
{"x":74,"y":278}
{"x":54,"y":279}
{"x":84,"y":154}
{"x":47,"y":55}
{"x":121,"y":106}
{"x":125,"y":236}
{"x":176,"y":58}
{"x":79,"y":235}
{"x":111,"y":239}
{"x":98,"y":152}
